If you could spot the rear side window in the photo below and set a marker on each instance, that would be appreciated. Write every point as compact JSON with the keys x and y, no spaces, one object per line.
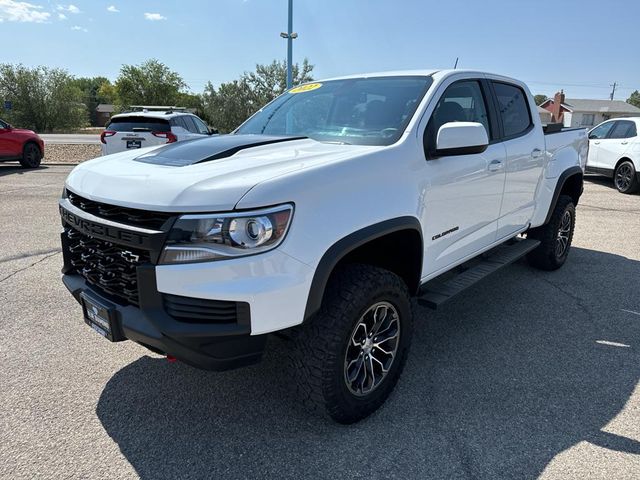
{"x":190,"y":124}
{"x":202,"y":128}
{"x":514,"y":109}
{"x":139,"y":124}
{"x":623,"y":129}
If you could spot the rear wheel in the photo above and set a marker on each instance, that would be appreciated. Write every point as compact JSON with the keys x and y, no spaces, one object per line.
{"x":31,"y":156}
{"x":555,"y":237}
{"x":348,"y":359}
{"x":625,"y":178}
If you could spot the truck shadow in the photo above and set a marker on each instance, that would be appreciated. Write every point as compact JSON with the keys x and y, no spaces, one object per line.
{"x":514,"y":372}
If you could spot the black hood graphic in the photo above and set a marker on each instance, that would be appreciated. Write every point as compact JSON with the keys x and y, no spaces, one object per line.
{"x":190,"y":152}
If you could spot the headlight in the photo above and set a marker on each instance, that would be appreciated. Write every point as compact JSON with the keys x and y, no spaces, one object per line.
{"x":199,"y":238}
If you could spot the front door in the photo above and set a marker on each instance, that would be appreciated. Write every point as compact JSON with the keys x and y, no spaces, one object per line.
{"x":595,"y":140}
{"x":462,"y":193}
{"x":5,"y":143}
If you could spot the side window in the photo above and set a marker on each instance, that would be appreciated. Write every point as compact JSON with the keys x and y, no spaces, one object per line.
{"x":179,"y":122}
{"x":514,"y":109}
{"x":601,"y":131}
{"x":189,"y":123}
{"x":202,"y":128}
{"x":623,"y":129}
{"x":462,"y":101}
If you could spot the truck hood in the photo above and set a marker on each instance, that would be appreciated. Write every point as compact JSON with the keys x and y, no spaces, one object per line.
{"x":210,"y":174}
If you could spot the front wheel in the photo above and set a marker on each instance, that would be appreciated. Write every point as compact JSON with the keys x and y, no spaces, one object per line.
{"x":348,"y":359}
{"x":555,"y":237}
{"x":625,"y":178}
{"x":31,"y":156}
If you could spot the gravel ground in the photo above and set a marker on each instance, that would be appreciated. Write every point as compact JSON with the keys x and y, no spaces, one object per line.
{"x":529,"y":374}
{"x":71,"y":154}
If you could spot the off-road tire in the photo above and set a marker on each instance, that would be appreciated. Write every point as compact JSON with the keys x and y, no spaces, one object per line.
{"x":318,"y":356}
{"x":625,"y":178}
{"x":31,"y":156}
{"x":546,"y":256}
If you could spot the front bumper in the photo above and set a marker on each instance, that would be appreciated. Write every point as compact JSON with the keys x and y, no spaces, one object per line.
{"x":207,"y":346}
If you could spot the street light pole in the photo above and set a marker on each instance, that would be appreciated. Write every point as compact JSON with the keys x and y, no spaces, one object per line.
{"x":290,"y":47}
{"x":290,"y":35}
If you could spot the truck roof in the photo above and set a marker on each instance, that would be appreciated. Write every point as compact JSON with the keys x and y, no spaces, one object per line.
{"x":420,"y":72}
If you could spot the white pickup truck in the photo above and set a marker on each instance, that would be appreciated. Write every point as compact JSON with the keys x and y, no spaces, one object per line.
{"x":319,"y":219}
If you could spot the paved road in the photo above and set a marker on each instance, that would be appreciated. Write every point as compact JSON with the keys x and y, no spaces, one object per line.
{"x":70,"y":139}
{"x":529,"y":374}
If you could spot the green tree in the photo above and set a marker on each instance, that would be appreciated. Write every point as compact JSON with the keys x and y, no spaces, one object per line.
{"x":540,"y":98}
{"x":233,"y":102}
{"x":44,"y":99}
{"x":634,"y":99}
{"x":150,"y":83}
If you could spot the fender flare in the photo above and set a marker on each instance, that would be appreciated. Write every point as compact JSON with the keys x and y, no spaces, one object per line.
{"x":344,"y":246}
{"x":562,"y":179}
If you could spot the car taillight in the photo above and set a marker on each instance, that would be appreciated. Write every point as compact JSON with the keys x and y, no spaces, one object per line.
{"x":168,"y":135}
{"x":105,"y":134}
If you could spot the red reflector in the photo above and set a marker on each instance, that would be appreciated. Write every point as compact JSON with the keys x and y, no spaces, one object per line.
{"x":171,"y":358}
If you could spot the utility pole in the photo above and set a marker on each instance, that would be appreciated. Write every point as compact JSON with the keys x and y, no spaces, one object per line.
{"x":290,"y":35}
{"x":613,"y":92}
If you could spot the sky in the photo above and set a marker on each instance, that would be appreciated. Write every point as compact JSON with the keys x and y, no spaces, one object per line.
{"x":581,"y":46}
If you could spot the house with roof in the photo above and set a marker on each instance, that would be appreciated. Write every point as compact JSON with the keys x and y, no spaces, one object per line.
{"x":103,"y":113}
{"x":574,"y":112}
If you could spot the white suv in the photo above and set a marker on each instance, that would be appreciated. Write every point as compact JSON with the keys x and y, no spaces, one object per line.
{"x":148,"y":128}
{"x":614,"y":151}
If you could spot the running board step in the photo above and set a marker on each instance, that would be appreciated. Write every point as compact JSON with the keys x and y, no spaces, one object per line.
{"x":437,"y":291}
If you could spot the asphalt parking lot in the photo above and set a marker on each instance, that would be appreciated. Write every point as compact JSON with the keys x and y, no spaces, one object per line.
{"x":529,"y":374}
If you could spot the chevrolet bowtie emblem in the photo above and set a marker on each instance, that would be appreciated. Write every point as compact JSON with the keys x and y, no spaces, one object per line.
{"x":129,"y":256}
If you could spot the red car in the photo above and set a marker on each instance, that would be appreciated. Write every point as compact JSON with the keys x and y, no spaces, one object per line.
{"x":19,"y":144}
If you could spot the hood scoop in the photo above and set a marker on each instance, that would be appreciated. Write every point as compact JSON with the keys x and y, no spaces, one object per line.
{"x":190,"y":152}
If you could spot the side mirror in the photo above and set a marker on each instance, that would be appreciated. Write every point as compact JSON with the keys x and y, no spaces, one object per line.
{"x":461,"y":138}
{"x":213,"y":131}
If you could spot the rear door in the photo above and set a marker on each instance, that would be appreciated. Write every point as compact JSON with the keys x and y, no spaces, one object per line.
{"x":134,"y":131}
{"x":462,"y":193}
{"x":613,"y":147}
{"x":525,"y":149}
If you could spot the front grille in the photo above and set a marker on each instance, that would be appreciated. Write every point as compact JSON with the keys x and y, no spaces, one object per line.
{"x":199,"y":310}
{"x":106,"y":265}
{"x":128,"y":216}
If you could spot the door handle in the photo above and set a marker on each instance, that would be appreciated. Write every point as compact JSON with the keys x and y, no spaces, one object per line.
{"x":623,"y":143}
{"x":536,"y":153}
{"x":495,"y":165}
{"x":597,"y":143}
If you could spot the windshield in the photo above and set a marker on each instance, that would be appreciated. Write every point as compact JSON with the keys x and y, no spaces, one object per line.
{"x":360,"y":111}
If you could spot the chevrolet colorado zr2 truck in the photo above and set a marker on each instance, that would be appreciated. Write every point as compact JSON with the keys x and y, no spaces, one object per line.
{"x":319,"y":219}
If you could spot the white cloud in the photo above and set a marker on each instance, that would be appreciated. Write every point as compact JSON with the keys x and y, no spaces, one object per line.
{"x":13,"y":11}
{"x":68,"y":8}
{"x":78,"y":28}
{"x":112,"y":9}
{"x":62,"y":16}
{"x":154,"y":17}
